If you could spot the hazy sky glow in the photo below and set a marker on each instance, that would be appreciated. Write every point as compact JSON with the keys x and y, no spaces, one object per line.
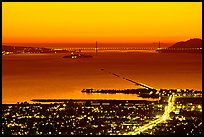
{"x":78,"y":22}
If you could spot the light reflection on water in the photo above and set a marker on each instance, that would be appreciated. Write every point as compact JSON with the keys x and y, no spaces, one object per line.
{"x":26,"y":77}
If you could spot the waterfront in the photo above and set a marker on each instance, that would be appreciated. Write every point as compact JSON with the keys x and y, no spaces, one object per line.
{"x":51,"y":76}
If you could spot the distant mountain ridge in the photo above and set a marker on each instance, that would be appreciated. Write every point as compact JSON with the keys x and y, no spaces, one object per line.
{"x":192,"y":43}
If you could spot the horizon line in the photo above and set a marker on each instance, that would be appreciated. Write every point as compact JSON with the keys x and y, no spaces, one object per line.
{"x":93,"y":43}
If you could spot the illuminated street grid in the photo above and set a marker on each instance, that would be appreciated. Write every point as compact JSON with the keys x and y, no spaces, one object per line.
{"x":30,"y":119}
{"x":185,"y":119}
{"x":173,"y":117}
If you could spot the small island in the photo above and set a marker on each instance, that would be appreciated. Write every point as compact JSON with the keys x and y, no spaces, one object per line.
{"x":75,"y":55}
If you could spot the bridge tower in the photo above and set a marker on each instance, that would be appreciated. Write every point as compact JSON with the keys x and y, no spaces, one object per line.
{"x":96,"y":47}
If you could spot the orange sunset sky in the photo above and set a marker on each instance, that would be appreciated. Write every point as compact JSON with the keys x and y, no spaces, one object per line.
{"x":108,"y":22}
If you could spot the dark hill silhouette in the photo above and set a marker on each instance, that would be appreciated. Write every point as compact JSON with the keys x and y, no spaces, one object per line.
{"x":192,"y":43}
